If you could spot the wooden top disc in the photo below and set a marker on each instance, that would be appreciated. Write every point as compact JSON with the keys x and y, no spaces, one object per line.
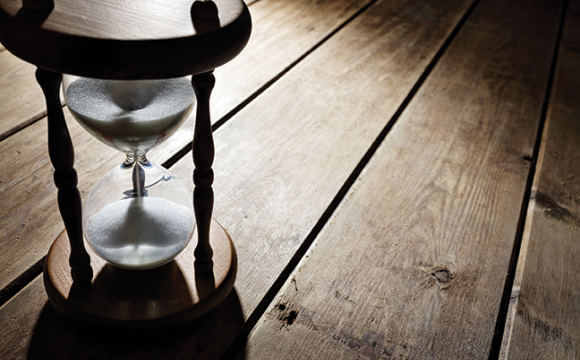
{"x":125,"y":39}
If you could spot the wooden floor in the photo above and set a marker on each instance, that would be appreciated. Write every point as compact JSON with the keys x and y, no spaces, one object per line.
{"x":400,"y":179}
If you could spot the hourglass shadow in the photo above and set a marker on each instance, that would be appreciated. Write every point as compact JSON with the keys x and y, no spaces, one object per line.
{"x":134,"y":295}
{"x":54,"y":337}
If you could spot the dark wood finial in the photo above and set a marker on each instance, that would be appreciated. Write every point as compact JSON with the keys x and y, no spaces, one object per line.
{"x":204,"y":15}
{"x":203,"y":155}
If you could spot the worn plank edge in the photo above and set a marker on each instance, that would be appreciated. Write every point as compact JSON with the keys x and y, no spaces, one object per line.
{"x":21,"y":282}
{"x":23,"y":125}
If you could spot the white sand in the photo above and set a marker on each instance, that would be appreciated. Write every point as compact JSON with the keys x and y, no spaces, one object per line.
{"x":127,"y":114}
{"x":140,"y":233}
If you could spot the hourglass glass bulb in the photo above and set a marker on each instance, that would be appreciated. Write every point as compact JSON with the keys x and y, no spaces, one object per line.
{"x":139,"y":216}
{"x":129,"y":115}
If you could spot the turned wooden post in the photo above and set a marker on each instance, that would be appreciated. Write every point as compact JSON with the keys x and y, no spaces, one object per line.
{"x":60,"y":150}
{"x":203,"y":155}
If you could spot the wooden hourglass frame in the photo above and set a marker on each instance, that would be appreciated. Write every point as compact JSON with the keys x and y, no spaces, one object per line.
{"x":157,"y":42}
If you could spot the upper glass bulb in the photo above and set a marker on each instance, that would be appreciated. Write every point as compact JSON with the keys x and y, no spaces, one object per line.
{"x":129,"y":115}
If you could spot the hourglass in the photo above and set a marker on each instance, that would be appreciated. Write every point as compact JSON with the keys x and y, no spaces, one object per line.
{"x":141,"y":252}
{"x":139,"y":216}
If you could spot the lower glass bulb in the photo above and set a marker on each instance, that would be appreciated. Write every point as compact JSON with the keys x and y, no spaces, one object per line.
{"x":139,"y":216}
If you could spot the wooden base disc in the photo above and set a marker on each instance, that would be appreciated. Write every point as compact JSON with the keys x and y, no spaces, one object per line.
{"x":141,"y":299}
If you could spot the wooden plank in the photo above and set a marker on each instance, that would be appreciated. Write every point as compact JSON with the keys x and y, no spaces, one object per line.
{"x":546,"y":299}
{"x":21,"y":100}
{"x":14,"y":345}
{"x":273,"y":153}
{"x":413,"y":263}
{"x":32,"y":214}
{"x":282,"y":33}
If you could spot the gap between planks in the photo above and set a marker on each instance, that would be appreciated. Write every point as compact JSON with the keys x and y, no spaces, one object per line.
{"x":552,"y":99}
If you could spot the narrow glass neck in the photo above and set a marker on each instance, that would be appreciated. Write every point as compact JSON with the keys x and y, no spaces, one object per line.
{"x":139,"y":156}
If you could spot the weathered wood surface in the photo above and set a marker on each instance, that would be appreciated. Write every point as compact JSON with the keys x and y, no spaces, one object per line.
{"x":280,"y":162}
{"x":268,"y":159}
{"x":413,"y":263}
{"x":27,"y":186}
{"x":546,"y":297}
{"x":21,"y":100}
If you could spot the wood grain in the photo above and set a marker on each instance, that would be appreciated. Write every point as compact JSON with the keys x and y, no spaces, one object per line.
{"x":283,"y":32}
{"x":21,"y":100}
{"x":413,"y":263}
{"x":280,"y":162}
{"x":110,"y":19}
{"x":30,"y":221}
{"x":271,"y":156}
{"x":545,"y":298}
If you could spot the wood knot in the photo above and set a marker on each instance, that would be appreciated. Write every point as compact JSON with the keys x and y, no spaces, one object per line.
{"x":287,"y":314}
{"x":443,"y":276}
